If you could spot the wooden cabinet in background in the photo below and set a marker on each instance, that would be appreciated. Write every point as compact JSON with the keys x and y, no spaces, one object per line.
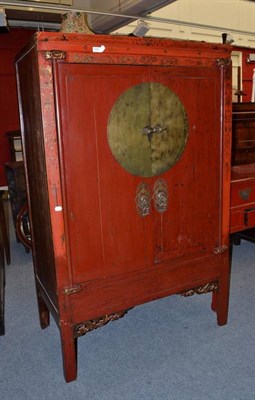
{"x":127,"y":158}
{"x":243,"y":128}
{"x":243,"y":168}
{"x":15,"y":145}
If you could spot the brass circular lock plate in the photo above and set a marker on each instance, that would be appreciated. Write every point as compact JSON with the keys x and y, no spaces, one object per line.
{"x":147,"y":129}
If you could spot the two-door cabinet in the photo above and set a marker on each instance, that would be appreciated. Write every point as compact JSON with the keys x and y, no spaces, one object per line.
{"x":127,"y":146}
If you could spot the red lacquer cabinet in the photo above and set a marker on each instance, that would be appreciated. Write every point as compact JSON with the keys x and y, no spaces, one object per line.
{"x":127,"y":155}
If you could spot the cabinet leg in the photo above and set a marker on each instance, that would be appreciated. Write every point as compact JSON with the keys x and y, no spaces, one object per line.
{"x":2,"y":330}
{"x":214,"y":302}
{"x":69,"y":351}
{"x":220,"y":300}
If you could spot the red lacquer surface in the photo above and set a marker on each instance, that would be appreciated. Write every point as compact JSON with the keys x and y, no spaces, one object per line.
{"x":104,"y":257}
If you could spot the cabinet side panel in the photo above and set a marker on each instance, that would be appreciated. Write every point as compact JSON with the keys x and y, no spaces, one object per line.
{"x":34,"y":156}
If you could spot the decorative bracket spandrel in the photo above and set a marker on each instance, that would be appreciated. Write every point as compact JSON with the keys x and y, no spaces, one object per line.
{"x":203,"y":289}
{"x":88,"y":326}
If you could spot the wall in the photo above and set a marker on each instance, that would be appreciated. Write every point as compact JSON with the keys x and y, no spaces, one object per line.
{"x":204,"y":20}
{"x":10,"y":44}
{"x":239,"y":59}
{"x":247,"y":72}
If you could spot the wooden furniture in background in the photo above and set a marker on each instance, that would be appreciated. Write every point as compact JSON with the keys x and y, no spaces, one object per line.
{"x":17,"y":190}
{"x":243,"y":128}
{"x":4,"y":223}
{"x":247,"y":234}
{"x":243,"y":169}
{"x":4,"y":253}
{"x":127,"y":150}
{"x":15,"y":144}
{"x":2,"y":287}
{"x":10,"y":44}
{"x":23,"y":227}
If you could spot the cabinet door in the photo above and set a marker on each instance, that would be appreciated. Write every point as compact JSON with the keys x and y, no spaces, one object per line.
{"x":140,"y":151}
{"x":192,"y":221}
{"x":106,"y":234}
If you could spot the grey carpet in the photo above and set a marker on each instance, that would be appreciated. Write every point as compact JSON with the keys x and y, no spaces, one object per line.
{"x":170,"y":349}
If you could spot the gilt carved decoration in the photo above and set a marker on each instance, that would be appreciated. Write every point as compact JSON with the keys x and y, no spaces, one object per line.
{"x":209,"y":287}
{"x":87,"y":326}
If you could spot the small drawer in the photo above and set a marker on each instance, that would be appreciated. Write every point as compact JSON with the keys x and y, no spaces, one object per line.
{"x":249,"y":217}
{"x":242,"y":192}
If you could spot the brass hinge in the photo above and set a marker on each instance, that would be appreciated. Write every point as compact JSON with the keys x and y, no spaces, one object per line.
{"x":55,"y":55}
{"x":220,"y":250}
{"x":223,"y":62}
{"x":71,"y":290}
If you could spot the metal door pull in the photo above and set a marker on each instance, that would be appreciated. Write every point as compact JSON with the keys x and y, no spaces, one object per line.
{"x":149,"y":130}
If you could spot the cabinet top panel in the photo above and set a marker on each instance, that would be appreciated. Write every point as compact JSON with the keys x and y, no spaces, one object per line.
{"x":101,"y":46}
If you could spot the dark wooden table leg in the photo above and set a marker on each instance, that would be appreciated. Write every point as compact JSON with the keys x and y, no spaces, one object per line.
{"x":248,"y":234}
{"x":2,"y":286}
{"x":4,"y":228}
